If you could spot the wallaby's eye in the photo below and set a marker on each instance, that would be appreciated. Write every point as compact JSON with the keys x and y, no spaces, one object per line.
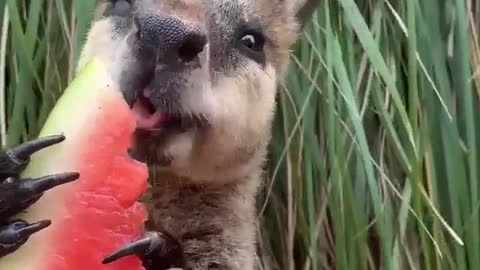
{"x":253,"y":41}
{"x":121,"y":4}
{"x":119,"y":8}
{"x":252,"y":44}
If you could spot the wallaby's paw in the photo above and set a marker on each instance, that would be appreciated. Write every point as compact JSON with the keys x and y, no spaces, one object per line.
{"x":19,"y":194}
{"x":157,"y":250}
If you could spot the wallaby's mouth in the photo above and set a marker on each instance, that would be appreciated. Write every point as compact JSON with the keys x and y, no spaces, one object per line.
{"x":146,"y":115}
{"x":154,"y":91}
{"x":153,"y":120}
{"x":156,"y":126}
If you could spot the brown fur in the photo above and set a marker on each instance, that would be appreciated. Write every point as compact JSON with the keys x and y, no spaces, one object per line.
{"x":216,"y":225}
{"x":204,"y":182}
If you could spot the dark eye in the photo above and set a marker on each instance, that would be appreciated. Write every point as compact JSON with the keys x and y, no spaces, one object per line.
{"x":119,"y":8}
{"x":122,"y":4}
{"x":253,"y":41}
{"x":252,"y":44}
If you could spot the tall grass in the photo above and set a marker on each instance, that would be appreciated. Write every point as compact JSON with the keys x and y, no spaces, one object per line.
{"x":375,"y":152}
{"x":377,"y":137}
{"x":40,"y":43}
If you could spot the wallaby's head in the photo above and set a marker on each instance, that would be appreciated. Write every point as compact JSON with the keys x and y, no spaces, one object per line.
{"x":201,"y":76}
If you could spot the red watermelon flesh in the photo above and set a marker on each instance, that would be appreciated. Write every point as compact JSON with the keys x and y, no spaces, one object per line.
{"x":99,"y":212}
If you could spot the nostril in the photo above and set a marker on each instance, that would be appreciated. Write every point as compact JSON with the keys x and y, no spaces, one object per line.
{"x":170,"y":37}
{"x":191,"y":47}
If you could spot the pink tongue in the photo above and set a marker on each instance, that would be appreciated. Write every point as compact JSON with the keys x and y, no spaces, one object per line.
{"x":147,"y":120}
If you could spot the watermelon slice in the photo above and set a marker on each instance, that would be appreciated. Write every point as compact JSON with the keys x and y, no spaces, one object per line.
{"x":99,"y":212}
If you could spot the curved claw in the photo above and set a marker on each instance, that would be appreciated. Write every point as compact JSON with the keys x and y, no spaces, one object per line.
{"x":19,"y":195}
{"x":42,"y":184}
{"x":13,"y":161}
{"x":25,"y":150}
{"x":141,"y":247}
{"x":30,"y":229}
{"x":14,"y":235}
{"x":156,"y":250}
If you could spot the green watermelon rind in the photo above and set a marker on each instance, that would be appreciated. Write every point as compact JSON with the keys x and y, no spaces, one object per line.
{"x":91,"y":78}
{"x":78,"y":99}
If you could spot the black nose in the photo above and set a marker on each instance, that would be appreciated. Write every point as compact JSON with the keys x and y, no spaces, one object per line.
{"x":169,"y":36}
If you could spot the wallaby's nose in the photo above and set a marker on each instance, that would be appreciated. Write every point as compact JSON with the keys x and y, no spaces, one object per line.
{"x":169,"y":36}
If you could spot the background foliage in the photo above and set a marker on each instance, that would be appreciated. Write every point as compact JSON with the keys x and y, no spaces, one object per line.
{"x":374,"y":161}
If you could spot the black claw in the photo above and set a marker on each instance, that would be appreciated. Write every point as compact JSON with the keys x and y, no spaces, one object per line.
{"x":156,"y":250}
{"x":15,"y":234}
{"x":141,"y":248}
{"x":46,"y":183}
{"x":19,"y":195}
{"x":24,"y":151}
{"x":28,"y":230}
{"x":13,"y":161}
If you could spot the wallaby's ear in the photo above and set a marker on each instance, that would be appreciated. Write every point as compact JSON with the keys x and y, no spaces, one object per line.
{"x":303,"y":9}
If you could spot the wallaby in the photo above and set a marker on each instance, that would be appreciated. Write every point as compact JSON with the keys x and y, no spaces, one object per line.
{"x":201,"y":77}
